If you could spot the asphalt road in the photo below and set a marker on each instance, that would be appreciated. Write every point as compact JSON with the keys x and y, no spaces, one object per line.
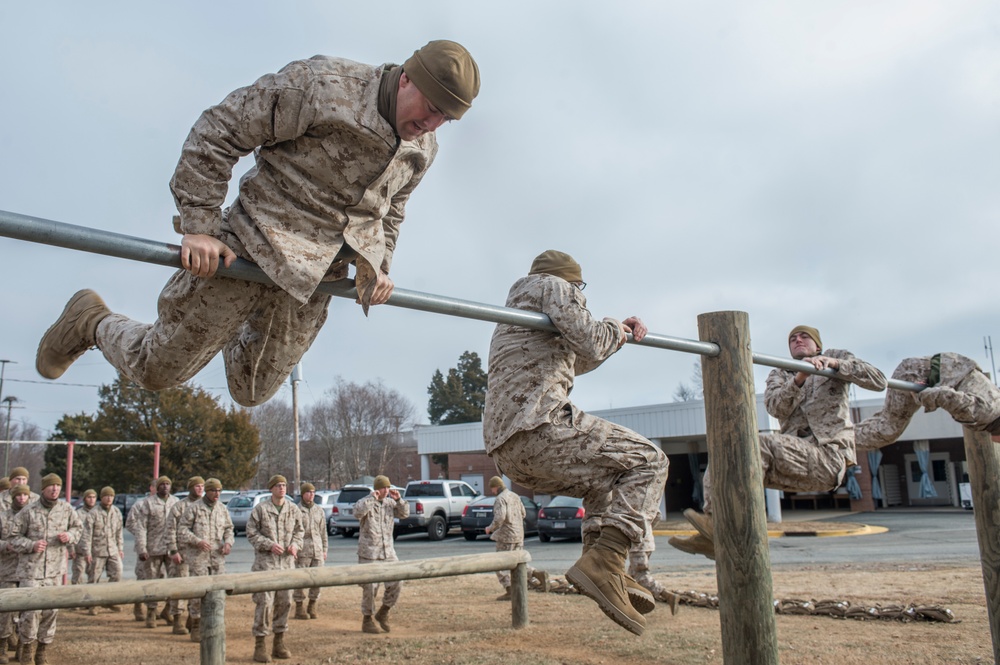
{"x":914,"y":536}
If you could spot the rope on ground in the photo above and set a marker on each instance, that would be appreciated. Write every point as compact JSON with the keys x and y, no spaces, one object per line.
{"x":837,"y":609}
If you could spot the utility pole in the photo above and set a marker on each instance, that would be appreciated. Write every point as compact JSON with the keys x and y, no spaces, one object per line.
{"x":3,"y":366}
{"x":295,"y":379}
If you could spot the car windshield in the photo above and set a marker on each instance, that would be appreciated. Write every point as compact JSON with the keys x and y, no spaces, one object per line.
{"x":565,"y":501}
{"x":353,"y":495}
{"x":424,"y":490}
{"x":239,"y":502}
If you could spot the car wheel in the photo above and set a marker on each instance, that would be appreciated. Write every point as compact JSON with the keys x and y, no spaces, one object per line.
{"x":437,"y":528}
{"x":544,"y":537}
{"x":469,"y":535}
{"x":347,"y":533}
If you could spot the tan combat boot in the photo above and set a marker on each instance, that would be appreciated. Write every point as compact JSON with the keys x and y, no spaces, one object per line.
{"x":138,"y":612}
{"x":165,"y":614}
{"x":670,"y":598}
{"x":151,"y":617}
{"x":179,"y":628}
{"x":92,"y":611}
{"x":196,"y":629}
{"x":260,"y":650}
{"x":542,"y":578}
{"x":71,"y":335}
{"x":368,"y":625}
{"x":600,"y":575}
{"x":27,"y":654}
{"x":40,"y":658}
{"x":278,"y":649}
{"x":311,"y":610}
{"x":696,"y":544}
{"x":640,"y":597}
{"x":382,"y":617}
{"x":505,"y":595}
{"x":701,"y":522}
{"x":300,"y":611}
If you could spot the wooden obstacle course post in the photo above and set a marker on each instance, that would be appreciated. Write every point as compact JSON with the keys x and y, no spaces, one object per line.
{"x":213,"y":628}
{"x":983,"y":457}
{"x":519,"y":596}
{"x":743,"y":561}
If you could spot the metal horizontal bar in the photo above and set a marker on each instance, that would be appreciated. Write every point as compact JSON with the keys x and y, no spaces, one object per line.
{"x":108,"y":243}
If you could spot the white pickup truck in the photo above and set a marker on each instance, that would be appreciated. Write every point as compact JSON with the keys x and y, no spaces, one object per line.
{"x":435,"y":507}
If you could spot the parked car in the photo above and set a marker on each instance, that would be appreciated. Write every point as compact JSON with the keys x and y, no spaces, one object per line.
{"x":479,"y":514}
{"x":324,"y":499}
{"x":342,"y":519}
{"x":224,"y":495}
{"x":561,"y":518}
{"x":241,"y":505}
{"x":435,"y":506}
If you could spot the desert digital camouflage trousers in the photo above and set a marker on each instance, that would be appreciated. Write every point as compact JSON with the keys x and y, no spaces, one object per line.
{"x":38,"y":624}
{"x":157,"y":567}
{"x":369,"y":592}
{"x":619,"y":474}
{"x":638,"y":568}
{"x":793,"y":464}
{"x":180,"y":570}
{"x":112,"y":565}
{"x":303,"y":561}
{"x":261,"y":330}
{"x":271,"y":612}
{"x":969,"y":396}
{"x":7,"y":618}
{"x":503,"y":576}
{"x":81,"y":571}
{"x":196,"y":569}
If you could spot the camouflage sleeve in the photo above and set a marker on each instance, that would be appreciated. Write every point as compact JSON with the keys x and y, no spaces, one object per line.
{"x":782,"y":396}
{"x":397,"y":210}
{"x":19,"y":533}
{"x":857,"y":371}
{"x":86,"y":541}
{"x":228,"y":532}
{"x":593,"y":341}
{"x":401,"y":509}
{"x":139,"y":527}
{"x":499,"y":514}
{"x":173,"y":524}
{"x":298,"y":531}
{"x":275,"y":108}
{"x":185,"y":528}
{"x":258,"y":540}
{"x":119,"y":531}
{"x":364,"y":506}
{"x":75,"y":528}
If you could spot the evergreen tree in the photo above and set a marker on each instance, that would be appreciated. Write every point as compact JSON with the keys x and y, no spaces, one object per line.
{"x":461,"y":397}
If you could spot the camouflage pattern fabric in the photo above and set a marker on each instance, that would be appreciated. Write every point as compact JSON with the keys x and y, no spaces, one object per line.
{"x":315,"y":543}
{"x":376,"y":519}
{"x":266,"y":527}
{"x":33,"y":523}
{"x":179,"y":569}
{"x":201,"y":521}
{"x":150,"y":525}
{"x":508,"y":518}
{"x":141,"y":567}
{"x":964,"y":391}
{"x":5,"y":500}
{"x":538,"y":438}
{"x":38,"y":624}
{"x":104,"y":543}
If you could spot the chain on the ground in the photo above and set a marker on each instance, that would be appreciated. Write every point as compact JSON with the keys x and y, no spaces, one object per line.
{"x":837,"y":609}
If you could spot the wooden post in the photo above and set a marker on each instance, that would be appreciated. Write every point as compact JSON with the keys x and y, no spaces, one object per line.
{"x":519,"y":596}
{"x":743,"y":561}
{"x":213,"y":628}
{"x":983,"y":456}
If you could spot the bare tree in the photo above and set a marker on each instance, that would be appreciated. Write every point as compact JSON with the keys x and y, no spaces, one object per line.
{"x":275,"y":421}
{"x":354,"y":431}
{"x":685,"y":392}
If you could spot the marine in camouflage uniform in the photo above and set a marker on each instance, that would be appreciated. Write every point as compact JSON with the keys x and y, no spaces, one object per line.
{"x":339,"y":148}
{"x":377,"y":514}
{"x":104,"y":543}
{"x":275,"y":531}
{"x":206,"y":533}
{"x":150,"y":531}
{"x":539,"y":439}
{"x":954,"y":383}
{"x":507,"y":531}
{"x":8,"y":562}
{"x":815,"y":445}
{"x":178,"y":551}
{"x":42,"y":534}
{"x":315,"y":547}
{"x":81,"y":568}
{"x":18,"y":476}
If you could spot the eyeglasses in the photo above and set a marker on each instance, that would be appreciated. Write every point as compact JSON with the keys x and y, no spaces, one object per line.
{"x":580,"y":285}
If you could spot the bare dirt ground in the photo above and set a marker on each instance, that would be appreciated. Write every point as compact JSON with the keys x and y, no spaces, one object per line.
{"x":457,"y":621}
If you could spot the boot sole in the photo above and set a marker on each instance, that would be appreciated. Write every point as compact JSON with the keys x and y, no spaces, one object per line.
{"x":643,"y":603}
{"x":679,"y":544}
{"x":590,"y":590}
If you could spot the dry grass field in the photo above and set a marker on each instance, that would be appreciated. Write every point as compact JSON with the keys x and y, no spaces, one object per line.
{"x":457,"y":621}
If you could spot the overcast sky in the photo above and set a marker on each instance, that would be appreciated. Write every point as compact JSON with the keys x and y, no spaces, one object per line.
{"x":835,"y":164}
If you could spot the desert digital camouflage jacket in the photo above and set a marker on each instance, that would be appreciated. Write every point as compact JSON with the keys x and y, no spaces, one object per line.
{"x":5,"y":500}
{"x":329,"y":171}
{"x":102,"y":533}
{"x":508,"y":518}
{"x":8,"y":560}
{"x":268,"y":526}
{"x":315,"y":540}
{"x":202,"y":521}
{"x":819,"y":411}
{"x":83,"y":512}
{"x":377,"y":520}
{"x":174,"y":522}
{"x":531,"y":372}
{"x":36,"y":522}
{"x":150,"y":524}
